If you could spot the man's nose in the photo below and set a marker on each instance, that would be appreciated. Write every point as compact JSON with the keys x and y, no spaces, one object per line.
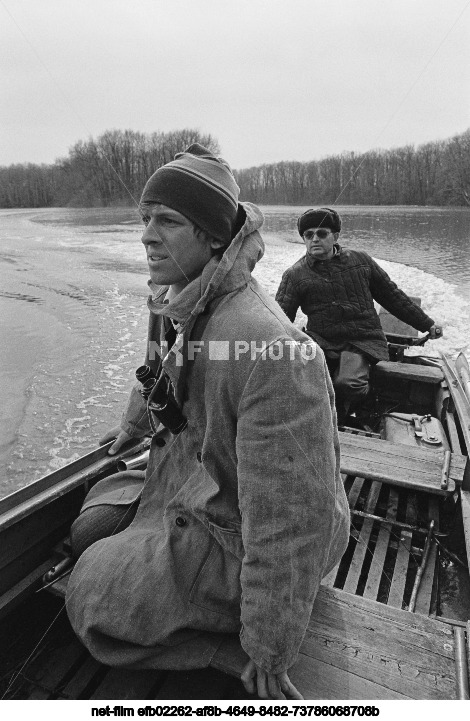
{"x":150,"y":235}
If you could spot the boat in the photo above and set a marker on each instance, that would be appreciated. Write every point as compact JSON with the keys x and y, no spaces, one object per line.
{"x":391,"y":621}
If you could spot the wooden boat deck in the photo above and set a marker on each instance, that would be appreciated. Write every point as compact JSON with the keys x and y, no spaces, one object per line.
{"x":355,"y":648}
{"x":362,"y":641}
{"x":380,"y":460}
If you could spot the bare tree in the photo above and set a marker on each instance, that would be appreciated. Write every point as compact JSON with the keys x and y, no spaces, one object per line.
{"x":113,"y":168}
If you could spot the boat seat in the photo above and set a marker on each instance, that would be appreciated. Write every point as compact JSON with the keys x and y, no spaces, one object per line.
{"x":355,"y":648}
{"x":399,"y":465}
{"x":385,"y":370}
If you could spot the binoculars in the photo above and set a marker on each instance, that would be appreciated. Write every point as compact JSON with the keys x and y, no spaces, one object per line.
{"x":161,"y":403}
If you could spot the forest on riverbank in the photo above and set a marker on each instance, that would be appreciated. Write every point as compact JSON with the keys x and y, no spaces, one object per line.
{"x":113,"y":168}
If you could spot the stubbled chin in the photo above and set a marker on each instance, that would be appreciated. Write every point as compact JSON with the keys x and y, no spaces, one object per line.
{"x":157,"y":278}
{"x":161,"y":278}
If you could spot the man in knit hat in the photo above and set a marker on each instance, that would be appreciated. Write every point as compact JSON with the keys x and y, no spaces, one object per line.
{"x":336,"y":289}
{"x":241,"y":511}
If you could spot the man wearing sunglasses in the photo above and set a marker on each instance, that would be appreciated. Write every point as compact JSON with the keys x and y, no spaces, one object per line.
{"x":243,"y":511}
{"x":336,"y":288}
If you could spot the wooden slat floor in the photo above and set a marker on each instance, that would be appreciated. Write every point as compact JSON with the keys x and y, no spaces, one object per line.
{"x":382,"y":559}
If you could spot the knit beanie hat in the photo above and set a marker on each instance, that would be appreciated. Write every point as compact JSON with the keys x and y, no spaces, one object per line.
{"x":199,"y":185}
{"x":319,"y":218}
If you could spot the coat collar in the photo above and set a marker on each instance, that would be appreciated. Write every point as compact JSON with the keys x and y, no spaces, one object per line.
{"x":337,"y":250}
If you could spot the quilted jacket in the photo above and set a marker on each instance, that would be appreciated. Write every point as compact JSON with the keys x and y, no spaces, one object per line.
{"x":337,"y":296}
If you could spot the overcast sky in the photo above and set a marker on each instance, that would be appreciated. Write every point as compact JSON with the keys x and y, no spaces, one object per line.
{"x":270,"y":79}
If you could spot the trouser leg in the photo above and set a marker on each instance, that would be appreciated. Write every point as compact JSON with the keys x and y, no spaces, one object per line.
{"x":99,"y":522}
{"x":105,"y":511}
{"x":351,"y":382}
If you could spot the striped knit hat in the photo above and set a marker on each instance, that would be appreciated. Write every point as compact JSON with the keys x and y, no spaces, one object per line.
{"x":201,"y":187}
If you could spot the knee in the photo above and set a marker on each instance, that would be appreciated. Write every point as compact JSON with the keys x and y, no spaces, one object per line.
{"x":352,"y":387}
{"x":99,"y":522}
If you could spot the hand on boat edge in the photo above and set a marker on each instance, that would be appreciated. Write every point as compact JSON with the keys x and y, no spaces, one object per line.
{"x":120,"y":436}
{"x":268,"y":685}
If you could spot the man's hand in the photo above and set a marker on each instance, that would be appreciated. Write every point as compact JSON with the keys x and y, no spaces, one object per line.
{"x":268,"y":685}
{"x":435,"y":331}
{"x":120,"y":436}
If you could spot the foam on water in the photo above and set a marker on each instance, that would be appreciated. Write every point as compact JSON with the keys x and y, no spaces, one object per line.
{"x":89,"y":313}
{"x":439,"y":299}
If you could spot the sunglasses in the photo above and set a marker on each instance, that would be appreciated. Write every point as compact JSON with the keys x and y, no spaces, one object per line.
{"x":321,"y":232}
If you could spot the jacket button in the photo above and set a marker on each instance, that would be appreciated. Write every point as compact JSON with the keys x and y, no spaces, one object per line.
{"x":180,"y":521}
{"x":199,"y":456}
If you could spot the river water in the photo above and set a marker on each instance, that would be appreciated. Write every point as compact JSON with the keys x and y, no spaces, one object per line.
{"x":73,"y":311}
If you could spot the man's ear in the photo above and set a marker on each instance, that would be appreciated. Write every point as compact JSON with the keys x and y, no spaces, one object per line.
{"x":336,"y":236}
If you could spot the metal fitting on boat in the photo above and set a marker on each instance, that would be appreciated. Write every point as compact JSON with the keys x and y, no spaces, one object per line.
{"x":58,"y":570}
{"x":133,"y":462}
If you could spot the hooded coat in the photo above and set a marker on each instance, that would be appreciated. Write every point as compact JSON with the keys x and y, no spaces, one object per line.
{"x":337,"y":296}
{"x":244,"y":512}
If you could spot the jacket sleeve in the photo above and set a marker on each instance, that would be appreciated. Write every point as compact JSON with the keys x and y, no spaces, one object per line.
{"x":287,"y":296}
{"x":389,"y":295}
{"x":135,"y":420}
{"x":294,"y":512}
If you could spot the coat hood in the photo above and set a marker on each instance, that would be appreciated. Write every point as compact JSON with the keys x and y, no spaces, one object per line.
{"x":219,"y":277}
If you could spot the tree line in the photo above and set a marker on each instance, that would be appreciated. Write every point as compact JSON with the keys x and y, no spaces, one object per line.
{"x":113,"y":169}
{"x":436,"y":173}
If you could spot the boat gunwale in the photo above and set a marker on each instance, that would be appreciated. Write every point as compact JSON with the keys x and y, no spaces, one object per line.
{"x":461,"y":402}
{"x":35,"y":495}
